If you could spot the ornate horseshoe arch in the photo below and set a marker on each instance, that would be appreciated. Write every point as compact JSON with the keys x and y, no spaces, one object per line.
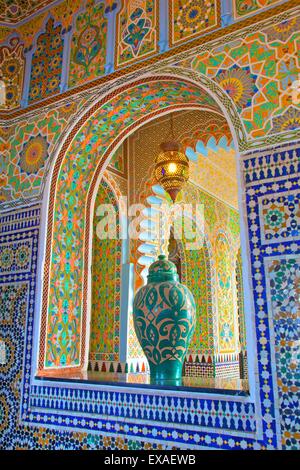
{"x":78,"y":166}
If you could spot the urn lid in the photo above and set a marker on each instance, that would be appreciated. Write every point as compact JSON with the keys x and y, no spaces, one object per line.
{"x":162,"y":270}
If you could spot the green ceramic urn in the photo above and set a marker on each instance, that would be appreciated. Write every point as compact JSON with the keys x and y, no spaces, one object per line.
{"x":164,"y":321}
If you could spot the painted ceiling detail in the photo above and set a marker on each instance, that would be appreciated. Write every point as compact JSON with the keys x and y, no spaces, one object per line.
{"x":14,"y":11}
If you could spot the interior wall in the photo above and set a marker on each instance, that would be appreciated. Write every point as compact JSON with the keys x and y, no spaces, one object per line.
{"x":257,"y":58}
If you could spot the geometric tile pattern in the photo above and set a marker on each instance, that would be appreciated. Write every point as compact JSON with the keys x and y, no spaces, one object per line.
{"x":281,"y":217}
{"x":240,"y":301}
{"x":27,"y":148}
{"x":260,"y":76}
{"x":139,"y":416}
{"x":209,"y":285}
{"x":260,"y":252}
{"x":14,"y":11}
{"x":14,"y":435}
{"x":88,"y":46}
{"x":64,"y":13}
{"x":284,"y":299}
{"x":13,"y":301}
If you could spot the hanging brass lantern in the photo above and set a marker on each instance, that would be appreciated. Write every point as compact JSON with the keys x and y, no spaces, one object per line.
{"x":171,"y":166}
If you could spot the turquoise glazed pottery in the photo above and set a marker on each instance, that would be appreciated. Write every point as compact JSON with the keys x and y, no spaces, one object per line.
{"x":164,"y":321}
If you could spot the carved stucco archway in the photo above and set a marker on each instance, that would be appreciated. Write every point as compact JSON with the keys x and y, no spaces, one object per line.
{"x":78,"y":166}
